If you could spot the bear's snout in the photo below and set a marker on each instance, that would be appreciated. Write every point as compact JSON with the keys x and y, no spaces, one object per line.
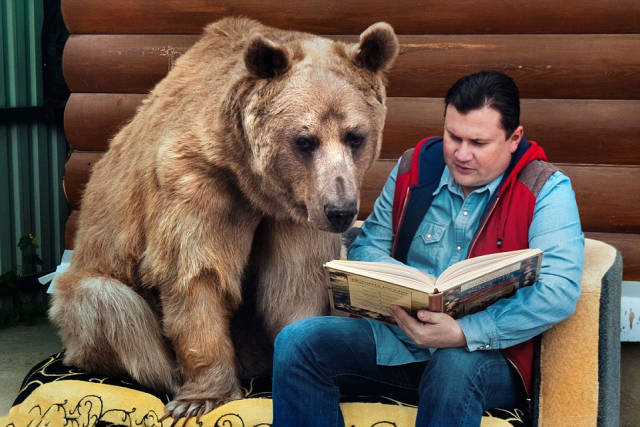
{"x":340,"y":214}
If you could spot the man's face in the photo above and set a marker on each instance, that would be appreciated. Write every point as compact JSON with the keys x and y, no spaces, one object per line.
{"x":476,"y":149}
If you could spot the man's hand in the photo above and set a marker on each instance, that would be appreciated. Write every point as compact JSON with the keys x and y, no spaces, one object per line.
{"x":435,"y":330}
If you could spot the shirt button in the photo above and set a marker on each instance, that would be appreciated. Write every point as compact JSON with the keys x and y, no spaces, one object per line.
{"x":428,"y":236}
{"x":465,"y":213}
{"x":459,"y":248}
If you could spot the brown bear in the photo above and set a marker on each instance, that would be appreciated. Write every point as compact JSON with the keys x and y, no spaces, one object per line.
{"x":208,"y":219}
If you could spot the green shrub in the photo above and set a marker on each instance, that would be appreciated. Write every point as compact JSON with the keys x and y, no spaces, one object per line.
{"x":22,"y":298}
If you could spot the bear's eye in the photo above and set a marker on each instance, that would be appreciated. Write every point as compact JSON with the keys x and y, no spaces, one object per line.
{"x":354,"y":140}
{"x":306,"y":144}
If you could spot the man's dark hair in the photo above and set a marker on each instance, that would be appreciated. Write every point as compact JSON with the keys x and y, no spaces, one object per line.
{"x":487,"y":88}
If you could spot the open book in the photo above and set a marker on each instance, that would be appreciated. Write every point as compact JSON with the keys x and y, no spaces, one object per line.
{"x":368,"y":288}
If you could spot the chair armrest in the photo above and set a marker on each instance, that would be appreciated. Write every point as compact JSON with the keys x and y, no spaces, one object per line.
{"x":579,"y":358}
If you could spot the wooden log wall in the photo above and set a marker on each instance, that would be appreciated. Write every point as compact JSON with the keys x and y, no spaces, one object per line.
{"x":577,"y":64}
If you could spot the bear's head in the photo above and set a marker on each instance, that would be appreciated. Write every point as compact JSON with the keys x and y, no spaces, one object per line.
{"x":312,"y":118}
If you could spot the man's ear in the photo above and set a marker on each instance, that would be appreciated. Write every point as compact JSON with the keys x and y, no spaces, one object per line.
{"x":265,"y":59}
{"x":377,"y":49}
{"x":515,"y":138}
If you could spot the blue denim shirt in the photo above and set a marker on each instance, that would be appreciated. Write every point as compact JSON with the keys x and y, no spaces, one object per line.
{"x":443,"y":238}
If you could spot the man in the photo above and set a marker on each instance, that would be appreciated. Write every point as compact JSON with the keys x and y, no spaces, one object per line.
{"x":479,"y":189}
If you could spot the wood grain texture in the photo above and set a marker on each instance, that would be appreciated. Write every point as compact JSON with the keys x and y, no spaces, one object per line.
{"x":629,"y":246}
{"x":76,"y":174}
{"x":607,"y":195}
{"x":544,"y":66}
{"x":120,"y":63}
{"x":571,"y":131}
{"x":92,"y":119}
{"x":337,"y":17}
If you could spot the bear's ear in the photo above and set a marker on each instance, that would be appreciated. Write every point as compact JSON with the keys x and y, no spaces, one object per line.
{"x":378,"y":47}
{"x":264,"y":59}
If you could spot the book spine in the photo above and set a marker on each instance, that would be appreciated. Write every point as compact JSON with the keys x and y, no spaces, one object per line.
{"x":436,"y":302}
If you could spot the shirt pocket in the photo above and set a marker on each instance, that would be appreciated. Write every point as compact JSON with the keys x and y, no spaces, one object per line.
{"x":431,"y":234}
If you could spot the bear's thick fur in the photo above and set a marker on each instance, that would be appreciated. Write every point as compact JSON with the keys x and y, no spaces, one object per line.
{"x":208,"y":219}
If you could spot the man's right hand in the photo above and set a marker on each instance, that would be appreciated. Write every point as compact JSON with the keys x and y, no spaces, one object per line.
{"x":431,"y":329}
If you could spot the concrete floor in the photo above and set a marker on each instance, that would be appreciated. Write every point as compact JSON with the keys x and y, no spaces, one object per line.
{"x":24,"y":346}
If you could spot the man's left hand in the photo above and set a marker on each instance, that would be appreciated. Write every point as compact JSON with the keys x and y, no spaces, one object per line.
{"x":435,"y":330}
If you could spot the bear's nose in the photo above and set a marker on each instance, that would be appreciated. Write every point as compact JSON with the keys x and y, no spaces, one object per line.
{"x":340,"y":214}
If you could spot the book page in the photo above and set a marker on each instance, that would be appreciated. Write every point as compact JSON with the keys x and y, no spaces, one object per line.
{"x":367,"y":297}
{"x":377,"y":296}
{"x":394,"y":273}
{"x":478,"y":266}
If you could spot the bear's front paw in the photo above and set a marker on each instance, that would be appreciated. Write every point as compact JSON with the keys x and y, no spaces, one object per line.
{"x":195,"y":407}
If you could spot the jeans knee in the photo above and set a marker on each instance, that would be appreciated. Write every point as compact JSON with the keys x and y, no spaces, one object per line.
{"x":451,"y":363}
{"x":294,"y":341}
{"x":471,"y":370}
{"x":464,"y":383}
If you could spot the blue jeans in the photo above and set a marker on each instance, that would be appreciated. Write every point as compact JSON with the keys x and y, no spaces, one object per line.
{"x":319,"y":358}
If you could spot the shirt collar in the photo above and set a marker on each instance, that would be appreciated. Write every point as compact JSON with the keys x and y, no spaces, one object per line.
{"x":446,"y":180}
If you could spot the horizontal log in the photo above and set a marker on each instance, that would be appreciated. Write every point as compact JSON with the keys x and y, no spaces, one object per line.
{"x":337,"y":17}
{"x":607,"y":195}
{"x":627,"y":244}
{"x":92,"y":119}
{"x":120,"y":63}
{"x":76,"y":174}
{"x":571,"y":131}
{"x":544,"y":66}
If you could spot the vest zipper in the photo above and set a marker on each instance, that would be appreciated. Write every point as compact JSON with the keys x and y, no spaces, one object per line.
{"x":403,"y":210}
{"x":528,"y":399}
{"x":519,"y":374}
{"x":484,"y":223}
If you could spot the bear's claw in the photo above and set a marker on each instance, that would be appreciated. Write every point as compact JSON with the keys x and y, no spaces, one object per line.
{"x":189,"y":408}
